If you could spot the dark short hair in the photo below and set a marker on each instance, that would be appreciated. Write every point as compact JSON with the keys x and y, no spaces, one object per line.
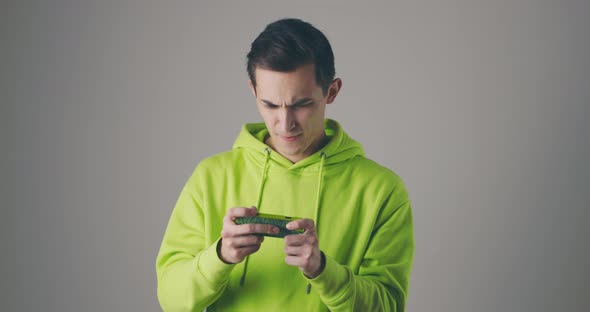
{"x":287,"y":44}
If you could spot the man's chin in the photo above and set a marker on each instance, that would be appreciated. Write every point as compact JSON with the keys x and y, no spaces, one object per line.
{"x":289,"y":150}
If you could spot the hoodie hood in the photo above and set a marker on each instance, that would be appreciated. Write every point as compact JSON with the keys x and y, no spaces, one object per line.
{"x":339,"y":148}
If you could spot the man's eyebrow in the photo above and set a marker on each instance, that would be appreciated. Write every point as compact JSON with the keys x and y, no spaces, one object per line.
{"x":296,"y":103}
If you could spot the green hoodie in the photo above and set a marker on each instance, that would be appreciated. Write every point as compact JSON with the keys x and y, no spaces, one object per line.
{"x":362,"y":214}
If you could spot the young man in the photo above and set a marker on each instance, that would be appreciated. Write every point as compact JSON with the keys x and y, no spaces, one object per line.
{"x":356,"y":251}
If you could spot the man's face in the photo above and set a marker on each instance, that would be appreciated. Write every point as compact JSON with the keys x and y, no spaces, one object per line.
{"x":293,"y":106}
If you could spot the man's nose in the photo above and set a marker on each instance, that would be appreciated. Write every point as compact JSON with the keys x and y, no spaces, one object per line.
{"x":286,"y":119}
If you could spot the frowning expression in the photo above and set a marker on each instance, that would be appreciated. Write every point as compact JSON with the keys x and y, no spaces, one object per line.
{"x":293,"y":108}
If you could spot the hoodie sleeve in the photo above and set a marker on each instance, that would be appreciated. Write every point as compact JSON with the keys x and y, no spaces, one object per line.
{"x":190,"y":274}
{"x":383,"y":278}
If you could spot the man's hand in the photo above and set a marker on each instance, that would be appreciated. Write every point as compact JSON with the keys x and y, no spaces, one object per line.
{"x":239,"y":241}
{"x":303,"y":250}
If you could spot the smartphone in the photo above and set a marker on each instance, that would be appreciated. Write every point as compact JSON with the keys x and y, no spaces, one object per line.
{"x":276,"y":220}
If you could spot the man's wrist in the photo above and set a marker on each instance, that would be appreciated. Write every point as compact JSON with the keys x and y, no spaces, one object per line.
{"x":218,"y":248}
{"x":322,"y":266}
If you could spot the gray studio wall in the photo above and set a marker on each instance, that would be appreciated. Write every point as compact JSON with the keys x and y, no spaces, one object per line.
{"x":482,"y":107}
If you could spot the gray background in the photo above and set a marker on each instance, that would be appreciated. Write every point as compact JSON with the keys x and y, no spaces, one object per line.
{"x":482,"y":107}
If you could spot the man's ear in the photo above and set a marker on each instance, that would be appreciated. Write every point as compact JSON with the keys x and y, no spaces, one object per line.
{"x":335,"y":87}
{"x":252,"y":87}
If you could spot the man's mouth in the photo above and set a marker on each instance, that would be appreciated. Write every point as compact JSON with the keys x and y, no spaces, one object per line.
{"x":290,"y":138}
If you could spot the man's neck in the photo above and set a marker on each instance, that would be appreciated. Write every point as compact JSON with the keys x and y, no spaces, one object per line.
{"x":320,"y":143}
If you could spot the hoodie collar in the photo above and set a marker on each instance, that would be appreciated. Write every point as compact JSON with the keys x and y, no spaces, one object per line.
{"x":340,"y":146}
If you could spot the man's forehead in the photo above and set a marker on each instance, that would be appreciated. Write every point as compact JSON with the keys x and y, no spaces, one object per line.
{"x":287,"y":98}
{"x":286,"y":86}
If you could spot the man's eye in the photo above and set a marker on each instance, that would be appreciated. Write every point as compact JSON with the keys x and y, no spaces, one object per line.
{"x":303,"y":105}
{"x":293,"y":107}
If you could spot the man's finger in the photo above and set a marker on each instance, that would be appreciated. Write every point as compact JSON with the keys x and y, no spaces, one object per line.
{"x":305,"y":224}
{"x":240,"y":253}
{"x":245,"y":241}
{"x":295,"y":261}
{"x":298,"y":251}
{"x":235,"y":212}
{"x":255,"y":228}
{"x":295,"y":239}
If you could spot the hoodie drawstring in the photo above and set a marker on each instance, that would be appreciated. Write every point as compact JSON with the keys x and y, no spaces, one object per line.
{"x":316,"y":208}
{"x":260,"y":188}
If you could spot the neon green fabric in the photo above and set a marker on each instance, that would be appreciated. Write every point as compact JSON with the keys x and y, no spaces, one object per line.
{"x":362,"y":213}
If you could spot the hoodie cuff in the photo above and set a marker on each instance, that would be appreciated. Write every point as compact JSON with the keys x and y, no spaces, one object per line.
{"x":333,"y":282}
{"x":211,"y":267}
